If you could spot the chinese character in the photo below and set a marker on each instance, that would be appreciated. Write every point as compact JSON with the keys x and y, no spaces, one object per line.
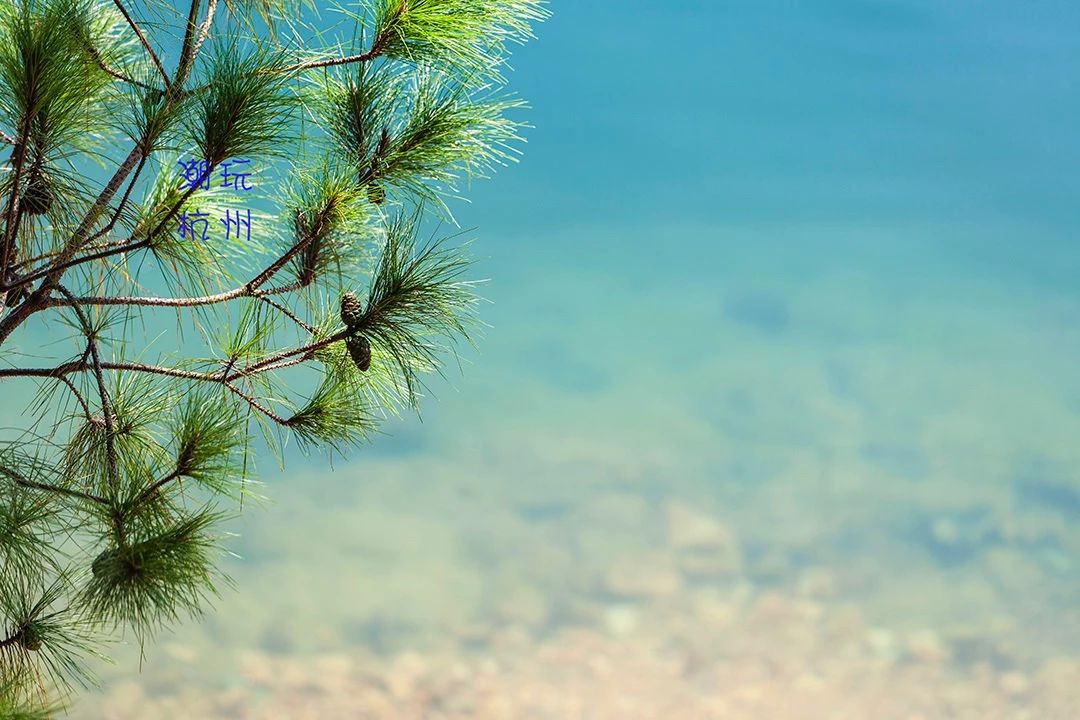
{"x":235,"y":180}
{"x":188,"y":222}
{"x":235,"y":222}
{"x":196,"y":174}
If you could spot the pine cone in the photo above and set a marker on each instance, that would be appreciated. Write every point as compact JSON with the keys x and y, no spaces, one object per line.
{"x":28,"y":637}
{"x":101,"y":563}
{"x":376,"y":194}
{"x":359,"y":351}
{"x":38,"y":197}
{"x":352,"y":311}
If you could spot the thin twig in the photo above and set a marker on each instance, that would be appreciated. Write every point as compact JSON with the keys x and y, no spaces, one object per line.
{"x":287,"y":313}
{"x":377,"y":48}
{"x":96,"y":55}
{"x":256,"y":404}
{"x":78,"y":396}
{"x":267,"y":363}
{"x":70,"y":492}
{"x":145,"y":43}
{"x":149,"y":491}
{"x":106,"y":405}
{"x":328,"y":62}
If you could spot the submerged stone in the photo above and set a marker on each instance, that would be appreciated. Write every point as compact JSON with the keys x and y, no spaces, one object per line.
{"x":564,"y":369}
{"x":1045,"y":484}
{"x":903,"y":459}
{"x":642,"y":577}
{"x":759,"y":310}
{"x":702,"y":545}
{"x":958,"y":537}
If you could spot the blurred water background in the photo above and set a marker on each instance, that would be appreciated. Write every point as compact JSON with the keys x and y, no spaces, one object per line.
{"x":777,"y":415}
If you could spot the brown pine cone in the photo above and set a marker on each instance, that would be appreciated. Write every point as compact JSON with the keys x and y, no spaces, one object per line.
{"x":28,"y":637}
{"x":376,"y":194}
{"x":352,"y":311}
{"x":359,"y":351}
{"x":38,"y":197}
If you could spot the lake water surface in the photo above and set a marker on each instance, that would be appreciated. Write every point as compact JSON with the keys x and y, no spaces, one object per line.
{"x":777,"y":415}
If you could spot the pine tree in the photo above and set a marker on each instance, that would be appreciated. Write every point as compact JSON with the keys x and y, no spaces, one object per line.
{"x":204,"y":173}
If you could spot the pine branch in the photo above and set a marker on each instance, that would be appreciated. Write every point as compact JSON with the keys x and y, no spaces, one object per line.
{"x":112,"y":476}
{"x":204,"y":29}
{"x":145,"y":43}
{"x":174,"y":302}
{"x":63,"y":261}
{"x":363,"y":57}
{"x":187,"y":50}
{"x":78,"y":396}
{"x":95,"y":54}
{"x":55,"y":489}
{"x":103,"y":394}
{"x":273,"y":362}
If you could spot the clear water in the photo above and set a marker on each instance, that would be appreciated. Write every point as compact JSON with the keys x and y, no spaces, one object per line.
{"x":809,"y":268}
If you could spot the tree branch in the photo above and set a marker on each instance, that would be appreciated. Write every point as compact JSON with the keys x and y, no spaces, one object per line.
{"x":78,"y":239}
{"x":256,"y":404}
{"x":287,"y":312}
{"x":106,"y":405}
{"x":204,"y":29}
{"x":145,"y":43}
{"x":376,"y":50}
{"x":251,"y":289}
{"x":70,"y":492}
{"x":244,"y":291}
{"x":7,"y":247}
{"x":78,"y":396}
{"x":187,"y":50}
{"x":96,"y":55}
{"x":270,"y":363}
{"x":329,"y":62}
{"x":64,"y":260}
{"x":273,"y":362}
{"x":123,"y":201}
{"x":149,"y":491}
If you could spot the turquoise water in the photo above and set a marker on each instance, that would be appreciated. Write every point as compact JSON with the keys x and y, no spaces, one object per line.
{"x":809,"y":269}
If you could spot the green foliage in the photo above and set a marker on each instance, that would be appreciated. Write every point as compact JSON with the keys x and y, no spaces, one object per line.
{"x":13,"y":709}
{"x":421,"y":135}
{"x":470,"y":34}
{"x":24,"y":510}
{"x":115,"y":462}
{"x":47,"y":80}
{"x":244,"y":111}
{"x":45,"y":638}
{"x":417,"y":301}
{"x":208,"y":441}
{"x":331,"y":211}
{"x":154,"y":576}
{"x":334,"y":415}
{"x":312,"y":331}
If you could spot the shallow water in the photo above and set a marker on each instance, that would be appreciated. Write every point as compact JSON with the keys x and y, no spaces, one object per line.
{"x":777,"y":415}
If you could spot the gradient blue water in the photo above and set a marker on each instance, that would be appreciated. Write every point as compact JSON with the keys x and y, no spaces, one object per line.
{"x":861,"y":111}
{"x":811,"y":266}
{"x":825,"y":255}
